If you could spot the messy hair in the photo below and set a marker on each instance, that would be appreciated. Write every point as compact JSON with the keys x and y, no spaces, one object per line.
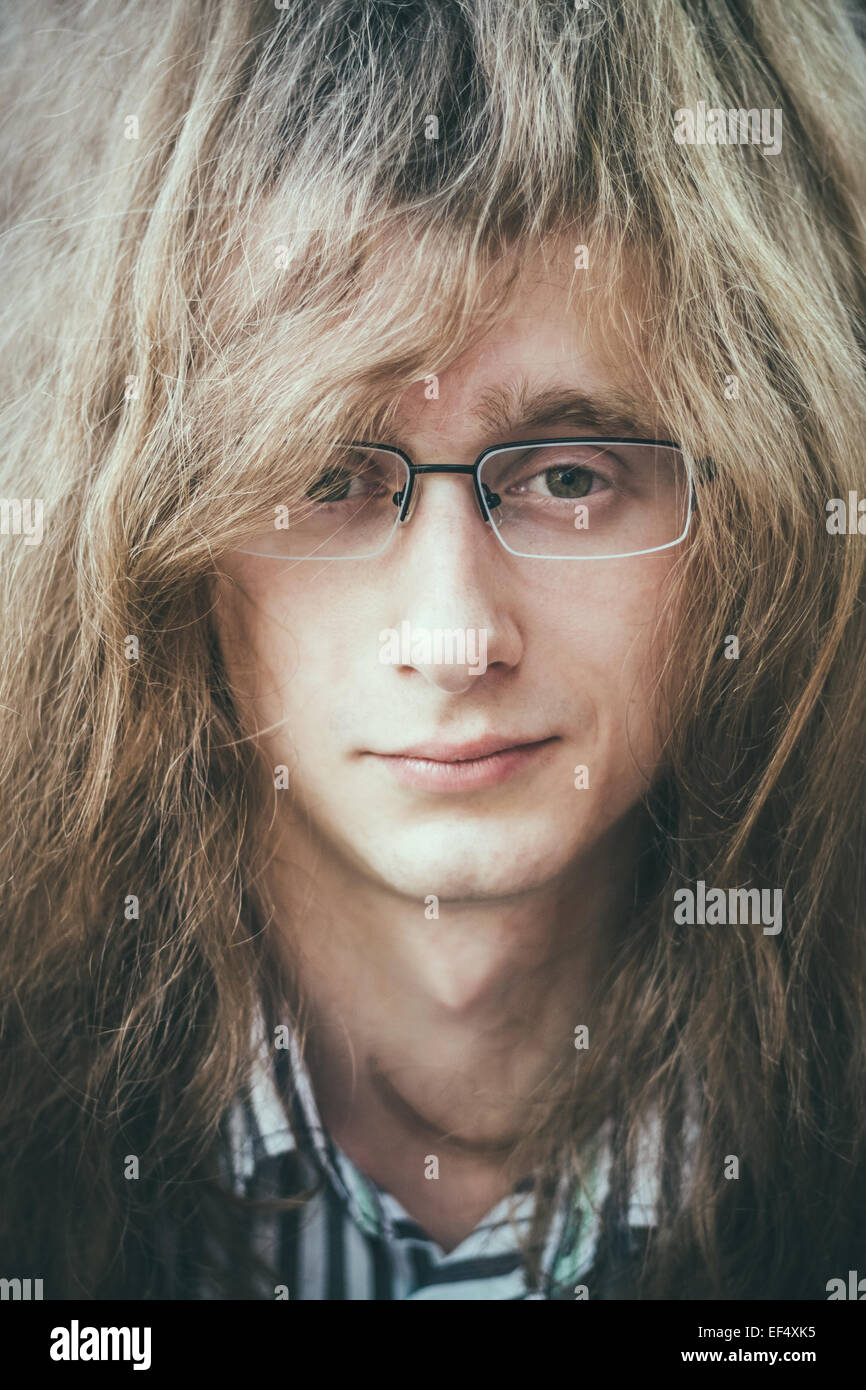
{"x":203,"y":205}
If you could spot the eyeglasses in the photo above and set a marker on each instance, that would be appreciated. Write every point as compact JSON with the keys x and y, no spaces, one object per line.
{"x":554,"y":499}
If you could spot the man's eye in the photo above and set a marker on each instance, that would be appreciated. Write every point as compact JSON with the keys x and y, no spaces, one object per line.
{"x":356,"y":475}
{"x":332,"y":486}
{"x":568,"y":482}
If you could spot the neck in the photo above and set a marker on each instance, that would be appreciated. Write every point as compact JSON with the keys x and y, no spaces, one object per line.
{"x":444,"y":1028}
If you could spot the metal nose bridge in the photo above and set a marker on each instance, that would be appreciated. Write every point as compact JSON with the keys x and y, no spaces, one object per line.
{"x":403,"y":498}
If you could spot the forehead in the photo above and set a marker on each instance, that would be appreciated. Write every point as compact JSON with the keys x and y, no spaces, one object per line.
{"x":396,"y":358}
{"x":557,"y":353}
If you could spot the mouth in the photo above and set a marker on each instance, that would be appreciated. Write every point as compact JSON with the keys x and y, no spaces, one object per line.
{"x":451,"y":767}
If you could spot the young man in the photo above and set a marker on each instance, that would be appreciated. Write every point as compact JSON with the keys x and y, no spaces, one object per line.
{"x":451,"y":883}
{"x":442,"y":875}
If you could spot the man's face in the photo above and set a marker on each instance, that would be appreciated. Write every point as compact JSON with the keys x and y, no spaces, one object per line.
{"x":569,"y":666}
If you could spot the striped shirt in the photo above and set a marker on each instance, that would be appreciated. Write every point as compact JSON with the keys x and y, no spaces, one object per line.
{"x":354,"y":1240}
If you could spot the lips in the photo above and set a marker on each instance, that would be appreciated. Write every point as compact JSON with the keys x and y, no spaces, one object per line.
{"x":479,"y":765}
{"x":438,"y":752}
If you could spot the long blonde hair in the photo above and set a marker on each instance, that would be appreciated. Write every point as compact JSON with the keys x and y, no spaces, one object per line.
{"x":197,"y":194}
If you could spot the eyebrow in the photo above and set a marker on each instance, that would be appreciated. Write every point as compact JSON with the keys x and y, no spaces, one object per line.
{"x":517,"y":407}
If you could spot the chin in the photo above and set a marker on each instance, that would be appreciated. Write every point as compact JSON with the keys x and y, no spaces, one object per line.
{"x":456,"y":867}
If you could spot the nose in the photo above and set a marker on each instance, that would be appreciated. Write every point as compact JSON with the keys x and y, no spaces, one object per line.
{"x":452,"y":588}
{"x":454,"y":470}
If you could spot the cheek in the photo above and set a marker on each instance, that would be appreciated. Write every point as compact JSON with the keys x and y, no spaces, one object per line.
{"x":280,"y":642}
{"x":641,"y":651}
{"x":255,"y":646}
{"x":611,"y":647}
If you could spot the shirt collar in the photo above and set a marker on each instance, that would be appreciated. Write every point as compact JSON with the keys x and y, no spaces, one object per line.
{"x":260,"y":1130}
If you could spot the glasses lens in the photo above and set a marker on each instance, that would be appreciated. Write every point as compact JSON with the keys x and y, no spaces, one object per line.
{"x":600,"y":500}
{"x":348,"y":510}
